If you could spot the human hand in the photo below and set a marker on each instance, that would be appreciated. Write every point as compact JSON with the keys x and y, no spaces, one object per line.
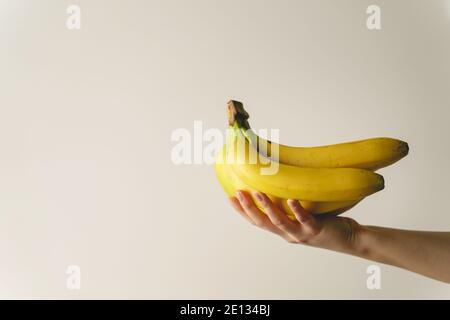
{"x":330,"y":232}
{"x":424,"y":252}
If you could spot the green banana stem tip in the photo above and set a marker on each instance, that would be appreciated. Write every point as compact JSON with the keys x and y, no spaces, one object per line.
{"x":237,"y":115}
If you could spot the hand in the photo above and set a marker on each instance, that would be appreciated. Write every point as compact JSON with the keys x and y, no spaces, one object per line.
{"x":330,"y":232}
{"x":424,"y":252}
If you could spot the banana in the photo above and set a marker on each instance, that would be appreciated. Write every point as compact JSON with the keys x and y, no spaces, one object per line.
{"x":231,"y":183}
{"x":327,"y":179}
{"x":308,"y":184}
{"x":370,"y":154}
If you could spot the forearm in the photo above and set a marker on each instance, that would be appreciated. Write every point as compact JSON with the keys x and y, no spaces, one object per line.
{"x":426,"y":253}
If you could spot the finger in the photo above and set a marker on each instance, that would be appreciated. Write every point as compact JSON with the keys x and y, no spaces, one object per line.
{"x":303,"y":216}
{"x":277,"y":216}
{"x":259,"y":218}
{"x":237,"y":206}
{"x":249,"y":207}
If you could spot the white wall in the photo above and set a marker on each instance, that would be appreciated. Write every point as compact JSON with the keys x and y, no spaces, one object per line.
{"x":86,"y":117}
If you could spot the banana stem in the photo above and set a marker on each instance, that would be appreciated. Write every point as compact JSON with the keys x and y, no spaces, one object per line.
{"x":237,"y":120}
{"x":237,"y":115}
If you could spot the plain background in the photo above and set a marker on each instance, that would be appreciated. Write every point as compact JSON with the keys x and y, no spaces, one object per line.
{"x":86,"y":117}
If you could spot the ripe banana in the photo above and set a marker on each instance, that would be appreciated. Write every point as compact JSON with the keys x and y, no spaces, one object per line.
{"x":326,"y":179}
{"x":231,"y":183}
{"x":310,"y":184}
{"x":370,"y":154}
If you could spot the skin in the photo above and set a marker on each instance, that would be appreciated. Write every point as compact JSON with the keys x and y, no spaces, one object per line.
{"x":426,"y":253}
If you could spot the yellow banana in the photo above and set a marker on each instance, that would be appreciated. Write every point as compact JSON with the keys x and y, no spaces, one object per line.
{"x":310,"y":184}
{"x":370,"y":154}
{"x":231,"y":183}
{"x":326,"y":179}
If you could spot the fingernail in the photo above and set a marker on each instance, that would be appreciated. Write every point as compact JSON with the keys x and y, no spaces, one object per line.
{"x":240,"y":195}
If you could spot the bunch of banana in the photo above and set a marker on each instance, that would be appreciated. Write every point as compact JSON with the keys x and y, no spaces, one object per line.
{"x":327,"y":179}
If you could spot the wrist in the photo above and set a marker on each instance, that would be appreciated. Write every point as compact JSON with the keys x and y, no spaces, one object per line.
{"x":355,"y":238}
{"x":343,"y":235}
{"x":365,"y":238}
